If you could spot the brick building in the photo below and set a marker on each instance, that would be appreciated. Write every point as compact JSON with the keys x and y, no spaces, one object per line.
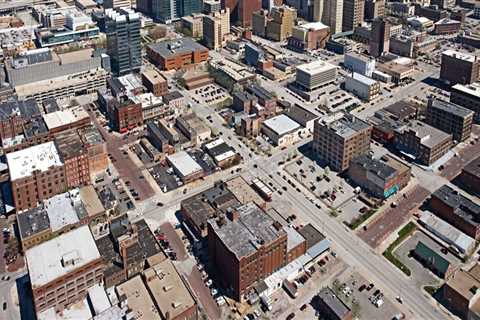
{"x":458,"y":67}
{"x":61,"y":270}
{"x":450,"y":118}
{"x":176,"y":54}
{"x":338,"y":139}
{"x":125,"y":114}
{"x":15,"y":115}
{"x":457,"y":209}
{"x":247,"y":246}
{"x":241,"y":11}
{"x":154,"y":82}
{"x":470,"y":177}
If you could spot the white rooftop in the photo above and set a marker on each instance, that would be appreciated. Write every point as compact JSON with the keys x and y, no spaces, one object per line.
{"x":60,"y":256}
{"x":363,"y":79}
{"x":41,"y":157}
{"x":184,"y":163}
{"x":315,"y":67}
{"x":459,"y":55}
{"x":64,"y":117}
{"x":98,"y":298}
{"x":313,"y":25}
{"x":61,"y":209}
{"x":281,"y":124}
{"x":471,"y":89}
{"x":78,"y":310}
{"x":224,"y":156}
{"x":147,"y":99}
{"x":214,"y":143}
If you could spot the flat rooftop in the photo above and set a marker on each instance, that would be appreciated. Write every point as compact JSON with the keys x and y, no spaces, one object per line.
{"x":59,"y":256}
{"x":473,"y":167}
{"x":32,"y":222}
{"x":312,"y":25}
{"x":41,"y":157}
{"x":65,"y":117}
{"x":400,"y":110}
{"x":138,"y":299}
{"x":243,"y":191}
{"x":470,"y":89}
{"x":64,"y":209}
{"x":171,"y":48}
{"x":184,"y":163}
{"x":429,"y":136}
{"x":249,"y":232}
{"x":344,"y":125}
{"x":153,"y":76}
{"x":168,"y":290}
{"x":459,"y":55}
{"x":363,"y":79}
{"x":311,"y":234}
{"x":449,"y":107}
{"x":315,"y":67}
{"x":375,"y":167}
{"x":281,"y":125}
{"x":462,"y":206}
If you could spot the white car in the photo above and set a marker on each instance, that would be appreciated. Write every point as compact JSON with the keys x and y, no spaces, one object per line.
{"x":209,"y":282}
{"x":214,"y":291}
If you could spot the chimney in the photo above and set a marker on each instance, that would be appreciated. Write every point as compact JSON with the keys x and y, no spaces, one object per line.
{"x":232,"y":214}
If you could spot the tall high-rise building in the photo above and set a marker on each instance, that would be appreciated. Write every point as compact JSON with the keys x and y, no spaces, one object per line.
{"x":318,"y":10}
{"x":379,"y":37}
{"x":332,"y":15}
{"x":114,"y":4}
{"x":353,"y":11}
{"x":241,"y":11}
{"x":166,"y":11}
{"x":215,"y":27}
{"x":281,"y":24}
{"x":374,"y":9}
{"x":123,"y":40}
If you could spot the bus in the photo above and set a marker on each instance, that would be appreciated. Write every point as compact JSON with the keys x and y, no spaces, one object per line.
{"x":262,"y":189}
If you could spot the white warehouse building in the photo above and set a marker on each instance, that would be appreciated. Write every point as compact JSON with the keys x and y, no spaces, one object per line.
{"x":359,"y":63}
{"x":361,"y":86}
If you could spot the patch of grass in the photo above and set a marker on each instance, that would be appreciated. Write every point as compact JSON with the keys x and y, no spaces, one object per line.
{"x":431,"y":289}
{"x":355,"y":223}
{"x":402,"y":235}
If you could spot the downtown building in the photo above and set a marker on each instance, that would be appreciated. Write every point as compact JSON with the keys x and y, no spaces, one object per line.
{"x":42,"y":74}
{"x":467,"y":96}
{"x":167,"y":11}
{"x":340,"y":138}
{"x":379,"y":37}
{"x":123,"y":41}
{"x":458,"y":67}
{"x":353,"y":14}
{"x":241,"y":11}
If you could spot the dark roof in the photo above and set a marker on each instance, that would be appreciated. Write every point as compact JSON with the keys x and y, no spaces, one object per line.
{"x":465,"y":208}
{"x":171,"y":48}
{"x":32,"y":222}
{"x":146,"y":239}
{"x":374,"y":166}
{"x":473,"y":167}
{"x":311,"y":234}
{"x":432,"y":258}
{"x":449,"y":107}
{"x":26,"y":109}
{"x":220,"y":149}
{"x":173,"y":95}
{"x":401,"y":110}
{"x":260,"y":92}
{"x":300,"y":114}
{"x":243,"y":96}
{"x":35,"y":127}
{"x":335,"y":305}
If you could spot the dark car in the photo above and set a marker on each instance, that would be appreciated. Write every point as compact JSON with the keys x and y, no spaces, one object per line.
{"x":5,"y":306}
{"x":303,"y":307}
{"x":370,"y":286}
{"x":362,"y":287}
{"x":290,"y":316}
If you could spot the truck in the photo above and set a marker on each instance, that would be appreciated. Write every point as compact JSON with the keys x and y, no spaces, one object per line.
{"x":266,"y":303}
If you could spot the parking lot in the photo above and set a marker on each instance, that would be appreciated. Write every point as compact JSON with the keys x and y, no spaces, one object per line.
{"x":324,"y":184}
{"x":420,"y":274}
{"x":354,"y":289}
{"x":210,"y":94}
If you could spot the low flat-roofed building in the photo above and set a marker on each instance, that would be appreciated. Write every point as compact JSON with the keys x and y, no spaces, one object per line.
{"x":169,"y":292}
{"x":184,"y":165}
{"x":193,"y":128}
{"x":467,"y":96}
{"x":155,"y":82}
{"x":422,"y":142}
{"x":223,"y":154}
{"x":433,"y":260}
{"x":302,"y":116}
{"x":330,"y":306}
{"x":176,"y":53}
{"x":33,"y":227}
{"x":470,"y":177}
{"x":451,"y":118}
{"x":296,"y":244}
{"x":381,"y":178}
{"x":401,"y":111}
{"x":136,"y":295}
{"x":281,"y":130}
{"x":461,"y":293}
{"x":457,"y":209}
{"x":398,"y":72}
{"x":242,"y":190}
{"x":53,"y":264}
{"x":74,"y":117}
{"x":231,"y":72}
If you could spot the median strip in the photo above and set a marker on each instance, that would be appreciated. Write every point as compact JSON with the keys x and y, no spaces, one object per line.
{"x":406,"y":231}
